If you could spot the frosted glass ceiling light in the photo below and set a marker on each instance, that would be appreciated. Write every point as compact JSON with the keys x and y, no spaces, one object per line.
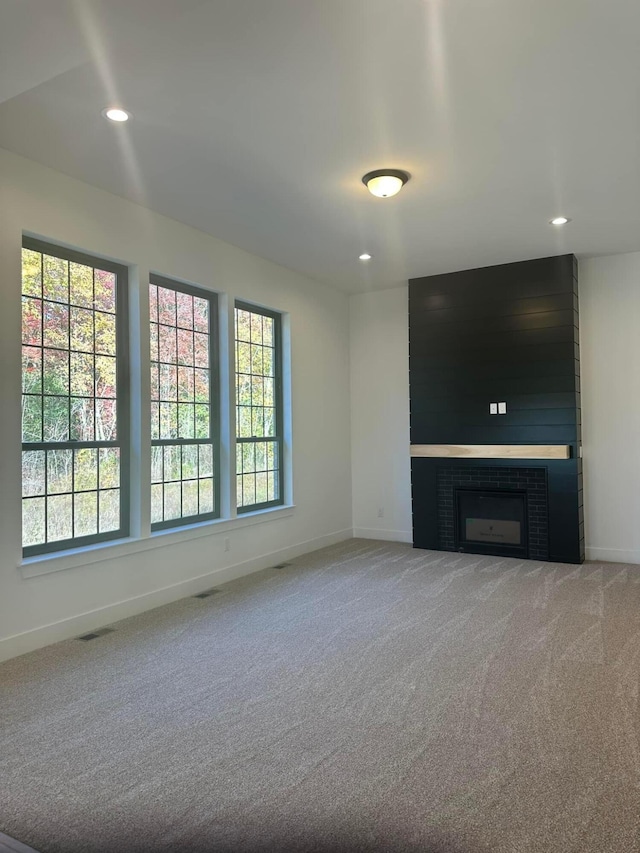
{"x":385,"y":182}
{"x":115,"y":114}
{"x":559,"y":220}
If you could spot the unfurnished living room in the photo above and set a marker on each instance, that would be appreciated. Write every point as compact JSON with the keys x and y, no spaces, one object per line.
{"x":319,"y":409}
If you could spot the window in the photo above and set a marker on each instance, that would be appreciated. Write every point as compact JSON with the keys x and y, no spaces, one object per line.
{"x":75,"y":420}
{"x":184,"y":412}
{"x":259,"y":421}
{"x":76,"y":402}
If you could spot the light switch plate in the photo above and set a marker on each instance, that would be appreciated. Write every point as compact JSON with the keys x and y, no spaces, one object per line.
{"x":502,"y":408}
{"x":493,"y":408}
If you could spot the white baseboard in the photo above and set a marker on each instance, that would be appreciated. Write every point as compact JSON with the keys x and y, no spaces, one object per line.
{"x":385,"y":535}
{"x":612,"y":555}
{"x":65,"y":629}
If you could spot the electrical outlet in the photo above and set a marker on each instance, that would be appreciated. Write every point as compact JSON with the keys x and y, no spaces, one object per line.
{"x":502,"y":408}
{"x":493,"y":408}
{"x":381,"y":512}
{"x":227,"y":543}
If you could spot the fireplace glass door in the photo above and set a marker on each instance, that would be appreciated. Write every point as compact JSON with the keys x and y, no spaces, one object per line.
{"x":491,"y":522}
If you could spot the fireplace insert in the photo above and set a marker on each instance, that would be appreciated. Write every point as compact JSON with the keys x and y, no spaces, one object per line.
{"x":491,"y":522}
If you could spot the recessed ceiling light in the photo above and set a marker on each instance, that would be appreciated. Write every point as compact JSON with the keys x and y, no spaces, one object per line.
{"x":365,"y":256}
{"x":559,"y":220}
{"x":385,"y":182}
{"x":116,"y":114}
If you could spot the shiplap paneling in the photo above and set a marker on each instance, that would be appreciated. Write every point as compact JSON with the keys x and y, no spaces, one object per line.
{"x":507,"y":333}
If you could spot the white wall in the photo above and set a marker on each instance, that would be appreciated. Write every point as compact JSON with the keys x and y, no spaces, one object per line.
{"x":380,"y":415}
{"x":609,"y":292}
{"x":132,"y":577}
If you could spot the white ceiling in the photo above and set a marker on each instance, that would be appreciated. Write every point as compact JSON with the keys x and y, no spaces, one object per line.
{"x":254,"y":120}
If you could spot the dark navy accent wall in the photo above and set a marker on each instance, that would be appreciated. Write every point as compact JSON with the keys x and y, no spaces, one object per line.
{"x":504,"y":333}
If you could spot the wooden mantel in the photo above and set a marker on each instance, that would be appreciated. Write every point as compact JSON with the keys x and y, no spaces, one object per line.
{"x":492,"y":451}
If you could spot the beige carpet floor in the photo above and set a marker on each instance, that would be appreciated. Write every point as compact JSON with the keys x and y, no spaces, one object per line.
{"x":368,"y":697}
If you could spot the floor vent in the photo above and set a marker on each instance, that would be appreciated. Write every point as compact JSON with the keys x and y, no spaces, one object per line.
{"x":95,"y":634}
{"x":281,"y":566}
{"x":207,"y":593}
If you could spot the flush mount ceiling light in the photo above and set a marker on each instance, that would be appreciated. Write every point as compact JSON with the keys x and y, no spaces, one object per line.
{"x":385,"y":182}
{"x":116,"y":114}
{"x":365,"y":256}
{"x":559,"y":220}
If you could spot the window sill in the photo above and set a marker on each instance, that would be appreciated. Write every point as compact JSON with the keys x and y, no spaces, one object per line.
{"x":78,"y":557}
